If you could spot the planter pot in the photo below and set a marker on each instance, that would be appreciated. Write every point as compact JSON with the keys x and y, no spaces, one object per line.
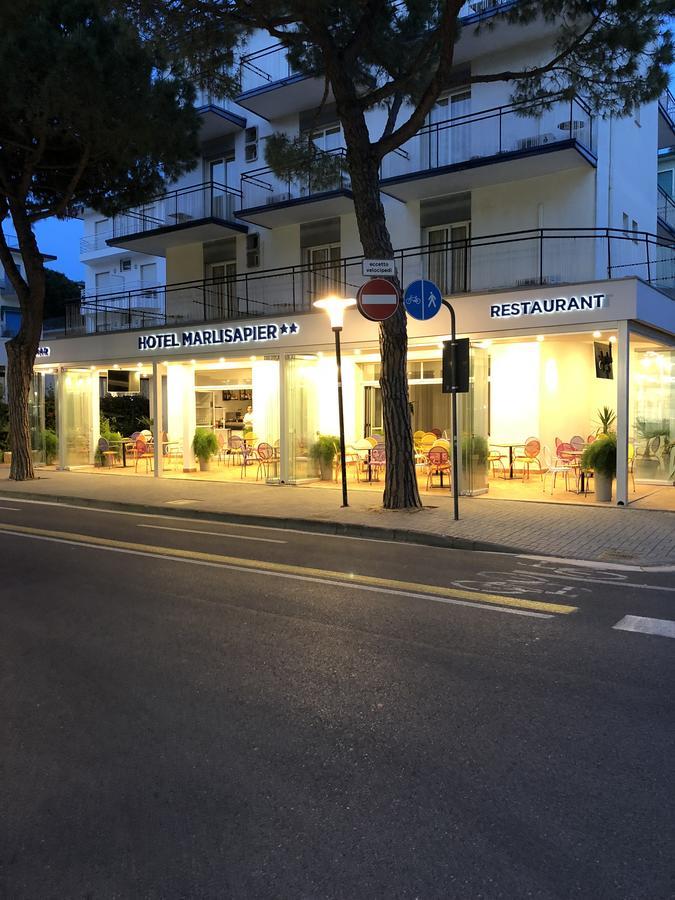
{"x":603,"y":488}
{"x":204,"y":465}
{"x":7,"y":458}
{"x":326,"y":469}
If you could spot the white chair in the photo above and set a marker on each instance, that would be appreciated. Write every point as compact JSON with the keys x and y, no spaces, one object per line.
{"x":555,"y":466}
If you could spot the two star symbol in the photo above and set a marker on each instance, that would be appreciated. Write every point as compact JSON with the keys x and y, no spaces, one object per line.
{"x":293,"y":328}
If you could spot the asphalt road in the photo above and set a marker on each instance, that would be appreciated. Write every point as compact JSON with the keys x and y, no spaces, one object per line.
{"x":199,"y":710}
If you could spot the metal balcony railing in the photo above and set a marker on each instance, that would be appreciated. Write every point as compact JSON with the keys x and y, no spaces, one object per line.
{"x":667,"y":103}
{"x":261,"y":187}
{"x":515,"y":128}
{"x":92,"y":242}
{"x":177,"y":208}
{"x":506,"y":261}
{"x":665,"y":208}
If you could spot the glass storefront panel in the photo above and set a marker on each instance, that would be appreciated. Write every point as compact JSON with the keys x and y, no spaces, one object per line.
{"x":302,"y":415}
{"x":473,"y":415}
{"x":652,"y":411}
{"x":36,"y":413}
{"x":78,"y":415}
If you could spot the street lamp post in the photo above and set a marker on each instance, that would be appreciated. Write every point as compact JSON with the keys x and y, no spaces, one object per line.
{"x":335,"y":308}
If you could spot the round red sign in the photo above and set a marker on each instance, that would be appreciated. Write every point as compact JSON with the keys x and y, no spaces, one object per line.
{"x":378,"y":299}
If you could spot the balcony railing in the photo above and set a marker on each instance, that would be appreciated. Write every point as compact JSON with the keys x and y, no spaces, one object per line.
{"x":667,"y":102}
{"x":516,"y":128}
{"x":481,"y":8}
{"x":265,"y":67}
{"x":92,"y":242}
{"x":665,"y":208}
{"x":262,"y":187}
{"x":179,"y":208}
{"x":521,"y":259}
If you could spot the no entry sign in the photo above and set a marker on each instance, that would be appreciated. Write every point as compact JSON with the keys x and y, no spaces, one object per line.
{"x":378,"y":299}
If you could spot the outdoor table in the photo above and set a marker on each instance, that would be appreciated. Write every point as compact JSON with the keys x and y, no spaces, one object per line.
{"x":510,"y":448}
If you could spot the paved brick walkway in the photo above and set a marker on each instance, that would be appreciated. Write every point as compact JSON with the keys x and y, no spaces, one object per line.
{"x":643,"y":537}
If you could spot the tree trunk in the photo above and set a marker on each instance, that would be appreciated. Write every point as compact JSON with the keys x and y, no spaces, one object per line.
{"x":19,"y":381}
{"x":401,"y":490}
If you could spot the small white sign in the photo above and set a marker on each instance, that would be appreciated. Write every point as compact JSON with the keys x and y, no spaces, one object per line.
{"x":375,"y":267}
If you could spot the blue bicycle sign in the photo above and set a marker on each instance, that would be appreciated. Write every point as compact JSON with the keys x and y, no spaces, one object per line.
{"x":422,"y":299}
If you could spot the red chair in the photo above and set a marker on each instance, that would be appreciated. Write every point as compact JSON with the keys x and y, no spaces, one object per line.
{"x":142,"y":450}
{"x":439,"y":464}
{"x":265,"y":457}
{"x":590,"y":438}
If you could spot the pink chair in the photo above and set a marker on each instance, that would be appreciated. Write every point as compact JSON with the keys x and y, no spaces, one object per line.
{"x":558,"y":442}
{"x":141,"y":450}
{"x":378,"y":459}
{"x":439,"y":464}
{"x":529,"y":457}
{"x":236,"y":447}
{"x":577,"y":442}
{"x":265,"y":457}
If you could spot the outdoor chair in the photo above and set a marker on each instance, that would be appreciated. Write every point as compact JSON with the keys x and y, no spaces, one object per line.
{"x":496,"y":458}
{"x":108,"y":456}
{"x":265,"y":455}
{"x":378,"y":459}
{"x":554,"y":466}
{"x":529,"y":457}
{"x":577,"y":442}
{"x":236,"y":448}
{"x":439,"y":464}
{"x":142,"y":450}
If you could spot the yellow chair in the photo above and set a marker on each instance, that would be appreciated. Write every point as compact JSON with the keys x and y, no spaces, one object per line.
{"x":631,"y":463}
{"x":428,"y":441}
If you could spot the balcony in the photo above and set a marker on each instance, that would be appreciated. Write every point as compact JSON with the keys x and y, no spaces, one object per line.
{"x":490,"y":147}
{"x":269,"y":201}
{"x":666,"y":120}
{"x":191,"y":215}
{"x":216,"y":120}
{"x":498,"y":262}
{"x":665,"y":211}
{"x":272,"y":89}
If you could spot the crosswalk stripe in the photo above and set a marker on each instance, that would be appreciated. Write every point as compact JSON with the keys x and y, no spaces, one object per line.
{"x":645,"y":625}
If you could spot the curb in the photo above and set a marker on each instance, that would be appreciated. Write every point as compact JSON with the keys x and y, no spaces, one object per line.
{"x":318,"y":526}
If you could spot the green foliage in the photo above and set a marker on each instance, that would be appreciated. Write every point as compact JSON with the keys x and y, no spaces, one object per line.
{"x":204,"y":444}
{"x":324,"y":448}
{"x":299,"y":159}
{"x":80,"y":84}
{"x":4,"y":427}
{"x":606,"y":418}
{"x":50,"y":407}
{"x":601,"y":455}
{"x":59,"y":290}
{"x":125,"y":413}
{"x":50,"y":443}
{"x":474,"y":446}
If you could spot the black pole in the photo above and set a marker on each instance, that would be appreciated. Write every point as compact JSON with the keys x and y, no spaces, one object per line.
{"x":455,"y":471}
{"x":343,"y":453}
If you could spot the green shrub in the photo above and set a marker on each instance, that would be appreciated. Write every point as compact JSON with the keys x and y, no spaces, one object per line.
{"x":324,"y":448}
{"x":601,"y":455}
{"x":204,"y":444}
{"x":474,"y":446}
{"x":50,"y":442}
{"x":126,"y":414}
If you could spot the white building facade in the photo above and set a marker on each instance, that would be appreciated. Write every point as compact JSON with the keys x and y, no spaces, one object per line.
{"x":498,"y":208}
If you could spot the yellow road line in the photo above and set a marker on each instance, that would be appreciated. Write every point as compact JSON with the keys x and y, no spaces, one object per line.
{"x":288,"y":569}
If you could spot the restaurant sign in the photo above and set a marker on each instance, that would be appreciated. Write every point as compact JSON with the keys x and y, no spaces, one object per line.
{"x":214,"y":337}
{"x":546,"y":307}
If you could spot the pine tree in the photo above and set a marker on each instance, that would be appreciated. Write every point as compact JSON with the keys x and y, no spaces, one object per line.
{"x":86,"y":119}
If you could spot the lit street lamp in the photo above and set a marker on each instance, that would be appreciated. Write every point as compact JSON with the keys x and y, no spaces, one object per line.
{"x":335,"y":307}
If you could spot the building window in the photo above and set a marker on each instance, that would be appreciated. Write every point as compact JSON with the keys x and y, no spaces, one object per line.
{"x":665,"y":180}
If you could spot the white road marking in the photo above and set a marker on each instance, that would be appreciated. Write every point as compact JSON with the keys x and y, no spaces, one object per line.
{"x":310,"y":578}
{"x":595,"y":564}
{"x":589,"y":580}
{"x":644,"y":625}
{"x":239,"y":537}
{"x":11,"y":508}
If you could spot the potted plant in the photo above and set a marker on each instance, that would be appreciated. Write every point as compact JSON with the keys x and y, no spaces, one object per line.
{"x":323,"y":452}
{"x":51,"y":445}
{"x":204,"y":445}
{"x":600,"y":456}
{"x":606,"y":418}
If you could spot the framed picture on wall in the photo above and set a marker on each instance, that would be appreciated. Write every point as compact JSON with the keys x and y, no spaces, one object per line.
{"x":603,"y":360}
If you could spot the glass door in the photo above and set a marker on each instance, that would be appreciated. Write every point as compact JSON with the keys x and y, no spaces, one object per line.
{"x":473,"y":430}
{"x":448,"y":140}
{"x":448,"y":266}
{"x":219,"y":200}
{"x":221,"y":290}
{"x":323,"y":276}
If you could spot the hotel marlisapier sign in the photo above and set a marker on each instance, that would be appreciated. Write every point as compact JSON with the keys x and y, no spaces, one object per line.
{"x":216,"y":337}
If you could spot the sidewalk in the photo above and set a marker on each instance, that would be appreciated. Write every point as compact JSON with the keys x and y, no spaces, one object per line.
{"x":632,"y":536}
